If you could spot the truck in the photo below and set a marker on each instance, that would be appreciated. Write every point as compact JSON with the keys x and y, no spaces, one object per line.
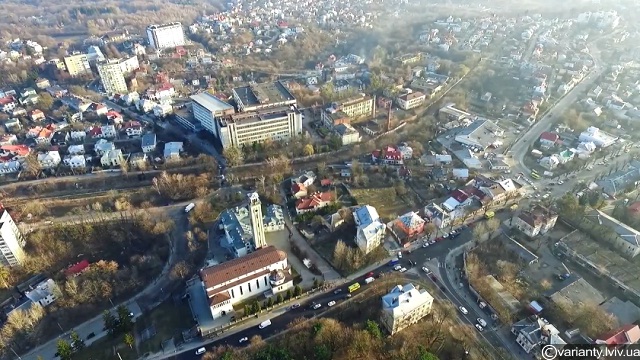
{"x":369,"y":280}
{"x":189,"y":207}
{"x":264,"y":324}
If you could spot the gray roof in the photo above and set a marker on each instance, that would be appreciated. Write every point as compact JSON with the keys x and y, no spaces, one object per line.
{"x":210,"y":102}
{"x":576,"y":291}
{"x":149,"y":139}
{"x":624,"y":231}
{"x":236,"y":225}
{"x":619,"y":180}
{"x":481,"y":131}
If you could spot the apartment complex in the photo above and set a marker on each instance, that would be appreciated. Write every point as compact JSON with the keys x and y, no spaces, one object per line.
{"x":280,"y":123}
{"x":370,"y":230}
{"x":356,"y":107}
{"x":165,"y":36}
{"x":77,"y":64}
{"x":411,"y":100}
{"x":207,"y":108}
{"x":404,"y":306}
{"x":264,"y":272}
{"x":263,"y":96}
{"x":11,"y":241}
{"x":112,"y":74}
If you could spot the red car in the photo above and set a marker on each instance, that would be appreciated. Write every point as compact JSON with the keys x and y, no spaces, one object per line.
{"x":370,"y":274}
{"x":440,"y":238}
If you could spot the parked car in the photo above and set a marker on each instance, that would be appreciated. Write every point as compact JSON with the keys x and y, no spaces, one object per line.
{"x":316,"y":306}
{"x":331,"y":303}
{"x":426,"y":244}
{"x":403,"y":269}
{"x":201,"y":351}
{"x":482,"y":322}
{"x":244,"y":339}
{"x":337,"y":291}
{"x":91,"y":335}
{"x":426,"y":270}
{"x":463,"y":310}
{"x":399,"y":254}
{"x":480,"y":328}
{"x":397,"y":267}
{"x":295,"y":306}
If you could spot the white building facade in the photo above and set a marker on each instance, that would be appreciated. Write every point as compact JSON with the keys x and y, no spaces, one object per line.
{"x":165,"y":36}
{"x":404,"y":306}
{"x":11,"y":241}
{"x":370,"y":230}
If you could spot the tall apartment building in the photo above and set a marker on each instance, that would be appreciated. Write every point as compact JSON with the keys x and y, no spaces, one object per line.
{"x":404,"y":306}
{"x":11,"y":241}
{"x":207,"y":108}
{"x":246,"y":128}
{"x":263,"y":96}
{"x":165,"y":36}
{"x":112,"y":73}
{"x":77,"y":64}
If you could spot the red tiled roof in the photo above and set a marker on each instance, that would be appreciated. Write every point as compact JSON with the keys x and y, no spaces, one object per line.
{"x":95,"y":131}
{"x":227,"y":271}
{"x":549,"y":136}
{"x":297,"y":187}
{"x":131,"y":124}
{"x":627,"y":334}
{"x":20,"y":150}
{"x":113,"y":114}
{"x":325,"y":182}
{"x":77,"y":268}
{"x":390,"y":153}
{"x":314,"y":200}
{"x":460,"y":196}
{"x":7,"y":100}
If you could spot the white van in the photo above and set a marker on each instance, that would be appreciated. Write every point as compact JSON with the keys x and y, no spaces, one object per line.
{"x":264,"y":324}
{"x":189,"y":207}
{"x":201,"y":351}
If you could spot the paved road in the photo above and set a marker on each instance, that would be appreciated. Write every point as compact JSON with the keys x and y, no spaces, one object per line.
{"x":154,"y":290}
{"x":520,"y":148}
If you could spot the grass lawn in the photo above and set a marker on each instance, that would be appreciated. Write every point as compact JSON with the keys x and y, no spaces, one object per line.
{"x":385,"y":200}
{"x":169,"y":320}
{"x":106,"y":348}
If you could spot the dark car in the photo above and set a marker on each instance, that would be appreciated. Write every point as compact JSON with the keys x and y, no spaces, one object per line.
{"x":91,"y":335}
{"x":337,"y":291}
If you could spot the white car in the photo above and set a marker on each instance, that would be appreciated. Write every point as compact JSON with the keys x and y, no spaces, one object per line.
{"x":426,"y":244}
{"x":426,"y":270}
{"x":201,"y":351}
{"x":331,"y":303}
{"x":397,"y":267}
{"x":403,"y":269}
{"x":317,"y":306}
{"x":560,"y":182}
{"x":244,"y":339}
{"x":399,"y":254}
{"x":480,"y":328}
{"x":463,"y":310}
{"x":481,"y":322}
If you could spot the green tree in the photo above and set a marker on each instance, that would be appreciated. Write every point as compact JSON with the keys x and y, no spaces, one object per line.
{"x":76,"y":341}
{"x":46,"y":101}
{"x":289,"y":294}
{"x":308,"y":150}
{"x":270,"y":302}
{"x":228,"y":355}
{"x":279,"y":299}
{"x":129,"y":340}
{"x":297,"y":291}
{"x":233,"y":155}
{"x":373,"y":329}
{"x":316,"y":283}
{"x":125,"y":319}
{"x":65,"y":351}
{"x":425,"y":355}
{"x":110,"y":322}
{"x":322,"y":352}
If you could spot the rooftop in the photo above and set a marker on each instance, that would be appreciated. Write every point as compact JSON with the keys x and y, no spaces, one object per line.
{"x":624,"y":231}
{"x":576,"y":291}
{"x":210,"y":102}
{"x":404,"y":299}
{"x":219,"y":274}
{"x":259,"y":115}
{"x":263,"y":94}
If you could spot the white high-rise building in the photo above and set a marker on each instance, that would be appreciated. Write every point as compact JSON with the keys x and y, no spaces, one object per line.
{"x":11,"y":241}
{"x":112,"y":73}
{"x":257,"y":223}
{"x":404,"y":306}
{"x":165,"y":36}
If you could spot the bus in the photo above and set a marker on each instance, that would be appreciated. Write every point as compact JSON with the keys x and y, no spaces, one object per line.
{"x":353,"y":287}
{"x":535,"y":175}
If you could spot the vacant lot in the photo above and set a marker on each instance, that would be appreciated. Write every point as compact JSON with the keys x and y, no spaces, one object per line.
{"x":388,"y":204}
{"x":168,"y":320}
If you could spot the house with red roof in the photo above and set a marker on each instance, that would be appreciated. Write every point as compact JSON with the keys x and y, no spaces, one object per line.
{"x":77,"y":268}
{"x":410,"y":224}
{"x":132,"y":128}
{"x":389,"y":155}
{"x":37,"y":115}
{"x":114,"y":117}
{"x":166,"y":90}
{"x":7,"y":103}
{"x":549,"y":139}
{"x":624,"y":335}
{"x":314,"y":202}
{"x":20,"y":151}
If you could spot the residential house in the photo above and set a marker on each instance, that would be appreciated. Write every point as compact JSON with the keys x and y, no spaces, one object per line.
{"x":597,"y":136}
{"x":273,"y":218}
{"x":76,"y":103}
{"x":538,"y":220}
{"x":45,"y":135}
{"x":300,"y":184}
{"x":131,"y":98}
{"x":112,"y":158}
{"x":411,"y":100}
{"x":60,"y":138}
{"x":535,"y":332}
{"x":404,"y":306}
{"x":37,"y":115}
{"x":19,"y":111}
{"x":550,"y":162}
{"x":42,"y":83}
{"x":172,"y":150}
{"x":114,"y":117}
{"x":148,"y":142}
{"x":457,"y":200}
{"x":74,"y":161}
{"x":103,"y":132}
{"x":437,"y":216}
{"x":314,"y":202}
{"x":410,"y":224}
{"x":389,"y":155}
{"x":57,"y":91}
{"x":549,"y":140}
{"x":8,"y":139}
{"x":165,"y":91}
{"x":499,"y":191}
{"x":498,"y":164}
{"x":44,"y":293}
{"x":625,"y":238}
{"x":13,"y":124}
{"x":78,"y":135}
{"x":76,"y":150}
{"x":28,"y":97}
{"x":49,"y":159}
{"x":625,"y":335}
{"x":7,"y":104}
{"x":103,"y":146}
{"x":460,"y":174}
{"x":621,"y":180}
{"x":162,"y":110}
{"x":370,"y":230}
{"x":348,"y":134}
{"x":132,"y":128}
{"x":10,"y":167}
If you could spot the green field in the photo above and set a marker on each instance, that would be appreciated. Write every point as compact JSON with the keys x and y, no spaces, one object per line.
{"x":385,"y":200}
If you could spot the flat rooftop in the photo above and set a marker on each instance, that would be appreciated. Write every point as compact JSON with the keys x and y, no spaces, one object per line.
{"x":258,"y":115}
{"x":263,"y":94}
{"x":210,"y":102}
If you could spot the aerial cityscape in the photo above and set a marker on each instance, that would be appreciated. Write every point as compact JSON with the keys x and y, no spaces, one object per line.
{"x":319,"y":180}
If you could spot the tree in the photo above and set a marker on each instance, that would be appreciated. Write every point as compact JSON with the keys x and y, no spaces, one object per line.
{"x":233,"y":155}
{"x":317,"y":221}
{"x":45,"y":101}
{"x":340,"y":254}
{"x":76,"y":342}
{"x":110,"y":322}
{"x":373,"y":329}
{"x":181,"y":270}
{"x":479,"y":230}
{"x":308,"y":150}
{"x":65,"y":351}
{"x":278,"y":167}
{"x":289,"y":294}
{"x":279,"y":299}
{"x":270,"y":302}
{"x":315,"y":283}
{"x":425,"y":355}
{"x":124,"y":316}
{"x":129,"y":340}
{"x":31,"y":165}
{"x":5,"y":275}
{"x":297,"y":291}
{"x":492,"y":225}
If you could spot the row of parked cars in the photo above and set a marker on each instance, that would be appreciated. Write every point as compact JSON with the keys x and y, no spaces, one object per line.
{"x":480,"y":322}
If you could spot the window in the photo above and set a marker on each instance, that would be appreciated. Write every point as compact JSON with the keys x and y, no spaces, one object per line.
{"x":241,"y":293}
{"x":232,"y":294}
{"x":257,"y":283}
{"x":249,"y":285}
{"x":265,"y":281}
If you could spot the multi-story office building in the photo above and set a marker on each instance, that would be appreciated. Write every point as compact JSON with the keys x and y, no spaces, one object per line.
{"x":165,"y":36}
{"x":11,"y":241}
{"x":356,"y":107}
{"x":112,"y":73}
{"x":207,"y":108}
{"x":246,"y":128}
{"x":262,"y":96}
{"x":77,"y":64}
{"x":404,"y":306}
